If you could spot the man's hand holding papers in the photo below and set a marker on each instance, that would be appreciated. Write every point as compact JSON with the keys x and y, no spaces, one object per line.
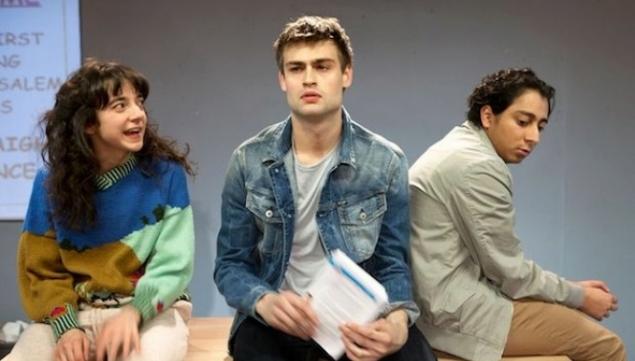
{"x":288,"y":312}
{"x":374,"y":341}
{"x":347,"y":301}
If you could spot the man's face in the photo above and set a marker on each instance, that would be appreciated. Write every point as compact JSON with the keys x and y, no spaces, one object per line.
{"x":516,"y":131}
{"x":313,"y":79}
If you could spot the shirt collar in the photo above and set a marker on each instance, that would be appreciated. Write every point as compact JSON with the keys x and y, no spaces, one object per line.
{"x":481,"y":134}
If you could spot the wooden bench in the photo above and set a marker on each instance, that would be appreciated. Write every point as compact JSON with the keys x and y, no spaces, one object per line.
{"x":445,"y":357}
{"x":524,"y":358}
{"x":208,"y":339}
{"x":208,"y":342}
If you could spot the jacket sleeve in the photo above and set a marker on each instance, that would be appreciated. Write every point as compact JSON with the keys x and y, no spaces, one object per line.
{"x":483,"y":201}
{"x":169,"y":267}
{"x":237,"y":255}
{"x":391,"y":253}
{"x":45,"y":286}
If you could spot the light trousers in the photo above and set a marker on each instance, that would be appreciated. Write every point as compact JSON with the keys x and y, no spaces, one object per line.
{"x":540,"y":328}
{"x":164,"y":338}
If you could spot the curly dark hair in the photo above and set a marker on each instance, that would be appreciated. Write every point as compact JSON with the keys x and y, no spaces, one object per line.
{"x":67,"y":150}
{"x":500,"y":89}
{"x":311,"y":29}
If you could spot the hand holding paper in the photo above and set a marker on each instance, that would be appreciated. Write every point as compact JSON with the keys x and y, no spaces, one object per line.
{"x":376,"y":340}
{"x":288,"y":312}
{"x":343,"y":293}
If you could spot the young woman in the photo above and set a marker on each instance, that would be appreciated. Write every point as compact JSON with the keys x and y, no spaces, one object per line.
{"x":106,"y":252}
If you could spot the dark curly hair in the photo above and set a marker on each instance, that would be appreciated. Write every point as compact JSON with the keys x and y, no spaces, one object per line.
{"x":500,"y":89}
{"x":311,"y":29}
{"x":67,"y":150}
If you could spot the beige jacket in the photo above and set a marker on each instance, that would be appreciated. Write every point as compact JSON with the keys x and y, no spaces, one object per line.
{"x":467,"y":261}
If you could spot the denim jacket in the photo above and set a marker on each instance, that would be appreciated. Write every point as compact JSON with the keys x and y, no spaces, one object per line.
{"x":363,"y":211}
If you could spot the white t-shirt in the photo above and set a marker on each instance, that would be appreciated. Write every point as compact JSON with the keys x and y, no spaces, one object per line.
{"x":307,"y":253}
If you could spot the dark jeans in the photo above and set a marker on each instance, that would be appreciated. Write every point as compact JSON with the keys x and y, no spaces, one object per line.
{"x":255,"y":341}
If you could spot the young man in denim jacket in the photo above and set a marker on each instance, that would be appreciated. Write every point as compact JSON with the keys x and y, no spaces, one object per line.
{"x":301,"y":188}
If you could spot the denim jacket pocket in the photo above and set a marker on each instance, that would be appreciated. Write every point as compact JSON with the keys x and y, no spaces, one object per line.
{"x":268,"y":220}
{"x":361,"y":222}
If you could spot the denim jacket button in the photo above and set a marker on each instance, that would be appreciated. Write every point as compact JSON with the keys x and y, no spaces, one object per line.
{"x":269,"y":213}
{"x":362,"y":216}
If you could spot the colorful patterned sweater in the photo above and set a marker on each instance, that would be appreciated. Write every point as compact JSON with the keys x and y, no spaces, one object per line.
{"x":140,"y":250}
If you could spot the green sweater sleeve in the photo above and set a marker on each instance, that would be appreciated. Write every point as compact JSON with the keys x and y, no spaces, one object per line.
{"x":170,"y":265}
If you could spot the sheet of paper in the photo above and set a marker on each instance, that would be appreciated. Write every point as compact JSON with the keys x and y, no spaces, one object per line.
{"x":343,"y":292}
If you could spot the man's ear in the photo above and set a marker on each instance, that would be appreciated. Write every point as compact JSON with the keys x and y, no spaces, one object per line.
{"x":487,"y":116}
{"x":347,"y":76}
{"x":281,"y":81}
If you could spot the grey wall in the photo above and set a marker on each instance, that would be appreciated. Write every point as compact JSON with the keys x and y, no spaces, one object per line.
{"x":214,"y":84}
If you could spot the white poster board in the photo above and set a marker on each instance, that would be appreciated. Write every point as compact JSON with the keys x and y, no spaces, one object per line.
{"x":39,"y":47}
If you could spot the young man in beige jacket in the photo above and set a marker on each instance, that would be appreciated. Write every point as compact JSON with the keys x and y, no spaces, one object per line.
{"x":479,"y":296}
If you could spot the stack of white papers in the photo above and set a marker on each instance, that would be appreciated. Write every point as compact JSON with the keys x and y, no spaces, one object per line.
{"x":341,"y":293}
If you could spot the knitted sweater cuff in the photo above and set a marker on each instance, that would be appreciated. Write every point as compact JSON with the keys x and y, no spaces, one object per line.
{"x":143,"y":303}
{"x":63,"y":320}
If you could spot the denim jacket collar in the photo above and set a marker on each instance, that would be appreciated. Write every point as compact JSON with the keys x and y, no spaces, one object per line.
{"x":282,"y":142}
